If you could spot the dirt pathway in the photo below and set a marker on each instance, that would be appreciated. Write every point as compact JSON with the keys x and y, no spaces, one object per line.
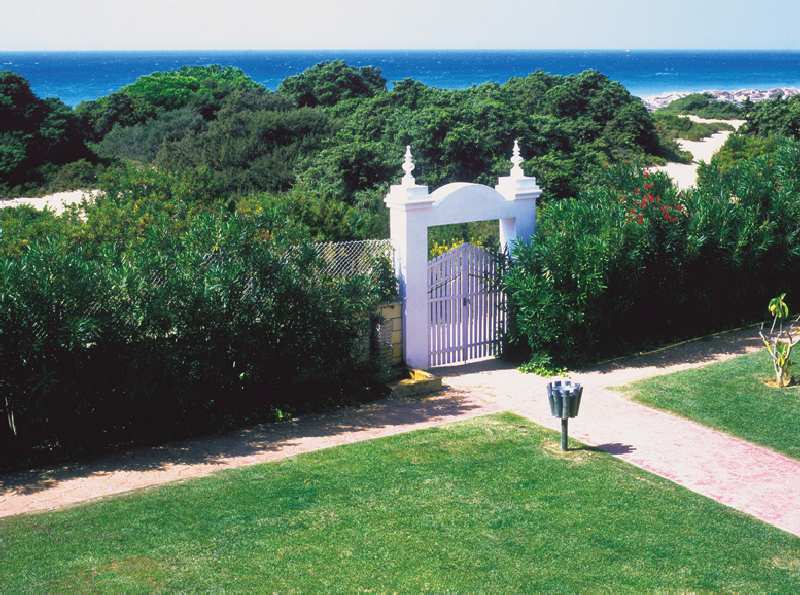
{"x":750,"y":478}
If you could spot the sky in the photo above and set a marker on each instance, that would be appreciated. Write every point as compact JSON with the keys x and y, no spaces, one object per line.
{"x":408,"y":24}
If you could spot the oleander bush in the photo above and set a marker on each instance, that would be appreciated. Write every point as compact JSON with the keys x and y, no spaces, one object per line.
{"x":742,"y":146}
{"x":745,"y":236}
{"x":598,"y":278}
{"x":631,"y":264}
{"x":193,"y":320}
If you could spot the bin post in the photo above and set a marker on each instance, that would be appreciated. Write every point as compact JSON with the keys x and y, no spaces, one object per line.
{"x":564,"y":397}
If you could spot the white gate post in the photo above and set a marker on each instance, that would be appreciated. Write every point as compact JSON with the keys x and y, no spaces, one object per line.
{"x":409,"y":211}
{"x":412,"y":209}
{"x":523,"y":191}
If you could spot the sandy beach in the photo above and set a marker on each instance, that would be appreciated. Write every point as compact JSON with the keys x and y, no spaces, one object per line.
{"x":654,"y":102}
{"x":685,"y":174}
{"x":56,"y":202}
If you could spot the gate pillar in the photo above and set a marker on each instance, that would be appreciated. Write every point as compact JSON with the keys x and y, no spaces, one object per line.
{"x":524,"y":191}
{"x":410,"y":206}
{"x":413,"y":209}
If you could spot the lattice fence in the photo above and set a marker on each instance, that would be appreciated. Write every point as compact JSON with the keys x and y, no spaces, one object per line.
{"x":357,"y":257}
{"x":374,"y":259}
{"x":340,"y":259}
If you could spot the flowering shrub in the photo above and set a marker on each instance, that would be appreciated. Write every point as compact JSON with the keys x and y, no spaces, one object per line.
{"x":631,"y":263}
{"x":438,"y":248}
{"x":643,"y":203}
{"x":562,"y":288}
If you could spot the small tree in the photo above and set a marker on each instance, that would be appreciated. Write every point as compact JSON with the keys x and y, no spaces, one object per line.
{"x":779,"y":341}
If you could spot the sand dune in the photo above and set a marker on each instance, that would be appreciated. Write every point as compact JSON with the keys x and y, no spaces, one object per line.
{"x":56,"y":202}
{"x":685,"y":174}
{"x":654,"y":102}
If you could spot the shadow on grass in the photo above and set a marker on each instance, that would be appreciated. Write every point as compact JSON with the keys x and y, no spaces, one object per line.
{"x":399,"y":414}
{"x":582,"y":452}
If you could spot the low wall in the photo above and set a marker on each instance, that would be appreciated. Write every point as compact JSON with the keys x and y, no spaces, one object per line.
{"x":390,"y":331}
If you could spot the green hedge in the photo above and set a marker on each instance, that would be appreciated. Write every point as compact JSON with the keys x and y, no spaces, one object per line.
{"x":193,"y":323}
{"x":609,"y":272}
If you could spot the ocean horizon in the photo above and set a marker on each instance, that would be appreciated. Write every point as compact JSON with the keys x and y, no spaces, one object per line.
{"x":75,"y":76}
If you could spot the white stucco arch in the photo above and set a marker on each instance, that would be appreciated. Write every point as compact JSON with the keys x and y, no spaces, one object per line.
{"x":413,"y":210}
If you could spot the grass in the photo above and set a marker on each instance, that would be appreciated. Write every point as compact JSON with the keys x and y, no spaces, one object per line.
{"x":730,"y":396}
{"x":486,"y":505}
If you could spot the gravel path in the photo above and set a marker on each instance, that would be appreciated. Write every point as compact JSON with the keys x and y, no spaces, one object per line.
{"x":747,"y":477}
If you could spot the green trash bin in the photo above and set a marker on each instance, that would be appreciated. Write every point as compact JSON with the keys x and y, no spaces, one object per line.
{"x":564,"y":397}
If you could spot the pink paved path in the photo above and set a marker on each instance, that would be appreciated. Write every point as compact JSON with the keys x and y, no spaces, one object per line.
{"x":750,"y":478}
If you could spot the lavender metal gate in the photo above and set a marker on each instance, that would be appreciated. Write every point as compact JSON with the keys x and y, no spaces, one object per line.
{"x":466,"y":308}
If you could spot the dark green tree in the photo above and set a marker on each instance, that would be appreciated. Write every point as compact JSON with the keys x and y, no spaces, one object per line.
{"x":34,"y":133}
{"x":330,"y":82}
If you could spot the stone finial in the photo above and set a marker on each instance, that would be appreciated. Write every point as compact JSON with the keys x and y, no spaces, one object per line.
{"x":517,"y":160}
{"x":408,"y":167}
{"x":407,"y":191}
{"x":518,"y":185}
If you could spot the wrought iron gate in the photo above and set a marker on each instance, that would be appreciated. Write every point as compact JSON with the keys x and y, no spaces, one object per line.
{"x":466,"y":308}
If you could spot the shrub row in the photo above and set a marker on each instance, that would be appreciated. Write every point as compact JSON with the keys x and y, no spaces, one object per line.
{"x":630,"y":263}
{"x":194,"y":323}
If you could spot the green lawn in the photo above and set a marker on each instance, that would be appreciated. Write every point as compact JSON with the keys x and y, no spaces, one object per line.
{"x":730,"y":396}
{"x":490,"y":504}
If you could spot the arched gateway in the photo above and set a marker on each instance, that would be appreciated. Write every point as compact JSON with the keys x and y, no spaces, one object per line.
{"x":412,"y":211}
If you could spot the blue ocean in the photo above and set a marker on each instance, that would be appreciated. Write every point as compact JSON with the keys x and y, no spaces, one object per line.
{"x":76,"y":76}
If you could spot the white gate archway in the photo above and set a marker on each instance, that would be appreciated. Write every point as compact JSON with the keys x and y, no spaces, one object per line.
{"x":413,"y":210}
